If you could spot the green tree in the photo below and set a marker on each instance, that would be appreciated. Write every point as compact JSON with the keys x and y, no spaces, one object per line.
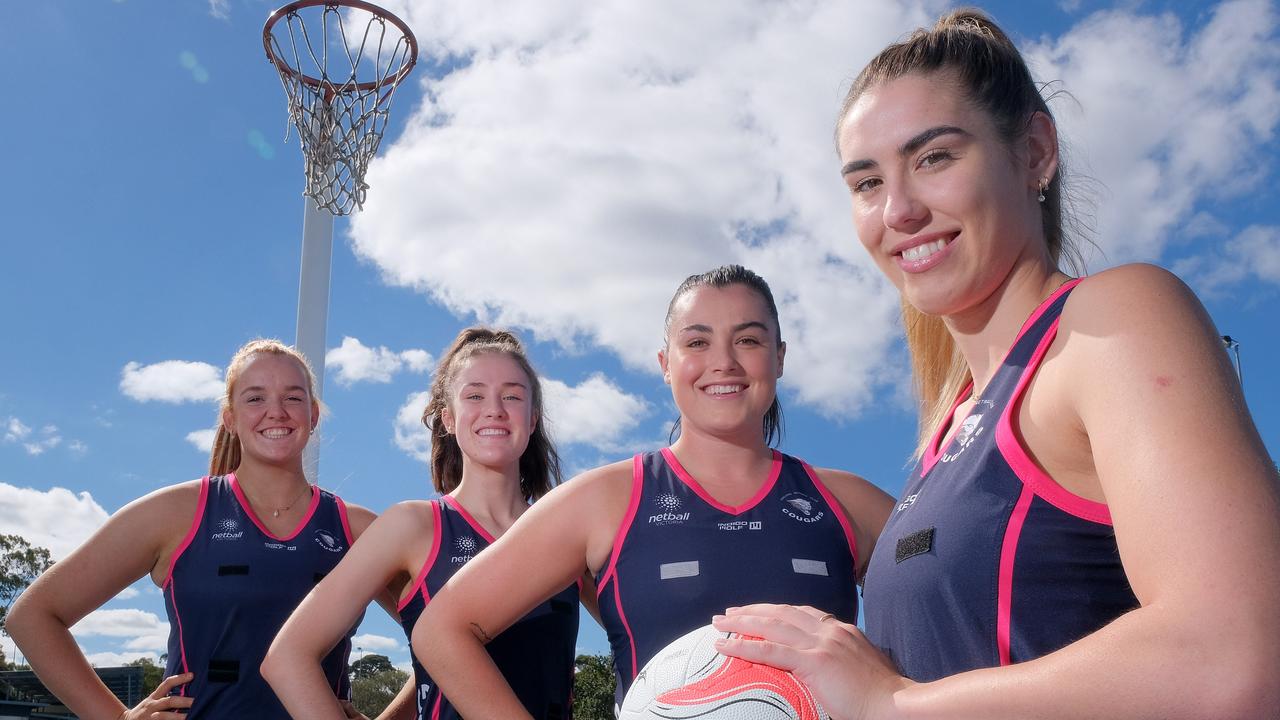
{"x":152,"y":674}
{"x":370,"y":665}
{"x":593,"y":685}
{"x":20,"y":564}
{"x":372,"y":692}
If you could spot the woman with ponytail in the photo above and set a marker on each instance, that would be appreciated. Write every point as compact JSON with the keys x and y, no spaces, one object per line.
{"x":491,"y":457}
{"x":233,"y":553}
{"x":1092,"y":528}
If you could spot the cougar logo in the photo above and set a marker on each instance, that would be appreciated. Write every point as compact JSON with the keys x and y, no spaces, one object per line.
{"x":799,"y":506}
{"x":326,"y":540}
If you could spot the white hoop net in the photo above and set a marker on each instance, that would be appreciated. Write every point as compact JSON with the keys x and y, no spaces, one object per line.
{"x":340,"y":116}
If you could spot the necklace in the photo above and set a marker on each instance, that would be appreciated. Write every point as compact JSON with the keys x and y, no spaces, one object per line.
{"x":276,"y":512}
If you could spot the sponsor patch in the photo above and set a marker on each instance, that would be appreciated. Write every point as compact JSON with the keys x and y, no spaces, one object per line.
{"x":809,"y":567}
{"x":917,"y":543}
{"x":669,"y":571}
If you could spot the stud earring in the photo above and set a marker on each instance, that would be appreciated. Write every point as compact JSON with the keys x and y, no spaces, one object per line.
{"x":1043,"y":184}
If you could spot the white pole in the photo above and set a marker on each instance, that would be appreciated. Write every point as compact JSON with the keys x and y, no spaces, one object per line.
{"x":313,"y":307}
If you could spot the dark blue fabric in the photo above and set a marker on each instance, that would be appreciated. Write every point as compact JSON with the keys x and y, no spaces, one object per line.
{"x":535,"y":655}
{"x":788,"y":547}
{"x":232,"y":589}
{"x":935,"y":613}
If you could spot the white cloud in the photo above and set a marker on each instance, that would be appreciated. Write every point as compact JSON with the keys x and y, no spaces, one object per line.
{"x":220,"y":9}
{"x":374,"y":643}
{"x":15,"y":430}
{"x":627,"y":152}
{"x":1253,"y":254}
{"x":1178,"y":126}
{"x":411,"y":435}
{"x":36,"y":442}
{"x":56,"y":519}
{"x":114,"y":659}
{"x":172,"y":381}
{"x":354,"y":362}
{"x":128,"y":593}
{"x":120,"y":622}
{"x":202,"y":440}
{"x":595,"y":412}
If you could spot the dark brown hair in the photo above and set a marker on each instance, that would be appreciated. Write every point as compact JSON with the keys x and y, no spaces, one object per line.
{"x":723,"y":277}
{"x":539,"y":464}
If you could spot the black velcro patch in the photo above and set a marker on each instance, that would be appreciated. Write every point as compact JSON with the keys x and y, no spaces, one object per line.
{"x":917,"y":543}
{"x":224,"y":671}
{"x":224,"y":570}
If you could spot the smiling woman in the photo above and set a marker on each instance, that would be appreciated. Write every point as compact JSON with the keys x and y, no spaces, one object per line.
{"x":233,"y":553}
{"x":670,"y":537}
{"x":491,"y":456}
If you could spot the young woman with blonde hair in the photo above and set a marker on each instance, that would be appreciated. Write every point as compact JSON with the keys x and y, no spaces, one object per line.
{"x":1093,"y":526}
{"x":233,"y":554}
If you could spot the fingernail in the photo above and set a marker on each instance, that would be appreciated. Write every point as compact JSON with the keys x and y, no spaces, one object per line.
{"x":716,"y":618}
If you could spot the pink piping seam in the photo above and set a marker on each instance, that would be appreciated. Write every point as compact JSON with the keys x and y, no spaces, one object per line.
{"x":774,"y":471}
{"x":453,"y":503}
{"x":837,"y":509}
{"x":191,"y":533}
{"x":637,"y":481}
{"x":346,"y":523}
{"x":248,"y":510}
{"x":421,"y":581}
{"x":1008,"y":551}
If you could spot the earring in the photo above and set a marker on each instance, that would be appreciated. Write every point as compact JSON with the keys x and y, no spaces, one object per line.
{"x":1043,"y":184}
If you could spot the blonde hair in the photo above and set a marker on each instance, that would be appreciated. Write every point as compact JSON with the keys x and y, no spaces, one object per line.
{"x":225,"y":456}
{"x":968,"y":46}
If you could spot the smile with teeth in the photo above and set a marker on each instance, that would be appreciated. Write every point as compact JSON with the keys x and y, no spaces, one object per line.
{"x":723,"y":389}
{"x":276,"y":433}
{"x":492,"y":431}
{"x":920,"y":252}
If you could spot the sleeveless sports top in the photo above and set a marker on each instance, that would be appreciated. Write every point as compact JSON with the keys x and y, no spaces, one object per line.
{"x":232,"y":584}
{"x":535,"y":655}
{"x":680,"y":556}
{"x":987,"y":560}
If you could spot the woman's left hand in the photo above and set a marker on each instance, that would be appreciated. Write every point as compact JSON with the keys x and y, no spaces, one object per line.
{"x":851,"y":678}
{"x":350,"y":711}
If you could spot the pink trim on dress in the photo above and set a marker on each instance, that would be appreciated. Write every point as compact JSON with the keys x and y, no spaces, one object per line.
{"x":191,"y":534}
{"x":774,"y":471}
{"x":182,"y":643}
{"x":631,"y":638}
{"x":637,"y":485}
{"x":421,"y":580}
{"x":248,"y":510}
{"x":839,"y":511}
{"x":934,"y":450}
{"x":346,"y":523}
{"x":1008,"y":551}
{"x":1015,"y":453}
{"x":453,"y":503}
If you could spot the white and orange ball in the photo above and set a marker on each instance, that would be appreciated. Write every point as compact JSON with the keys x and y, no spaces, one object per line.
{"x":689,"y":679}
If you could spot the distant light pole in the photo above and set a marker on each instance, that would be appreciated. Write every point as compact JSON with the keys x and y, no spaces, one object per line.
{"x":1233,"y":347}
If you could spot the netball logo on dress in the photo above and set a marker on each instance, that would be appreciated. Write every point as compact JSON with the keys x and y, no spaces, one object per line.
{"x":968,"y":433}
{"x":799,"y":506}
{"x":669,"y":505}
{"x":228,"y":529}
{"x":466,"y":547}
{"x":326,"y":540}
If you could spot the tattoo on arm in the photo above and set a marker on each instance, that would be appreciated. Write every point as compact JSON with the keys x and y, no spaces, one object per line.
{"x":480,"y":634}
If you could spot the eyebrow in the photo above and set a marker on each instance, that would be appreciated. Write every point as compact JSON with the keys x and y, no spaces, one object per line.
{"x":505,"y":384}
{"x":259,"y":388}
{"x":736,"y":328}
{"x":909,"y":147}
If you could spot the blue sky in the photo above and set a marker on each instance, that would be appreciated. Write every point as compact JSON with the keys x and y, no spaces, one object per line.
{"x":558,"y":167}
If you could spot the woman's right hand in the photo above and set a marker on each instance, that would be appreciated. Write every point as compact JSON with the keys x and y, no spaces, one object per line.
{"x":160,"y":705}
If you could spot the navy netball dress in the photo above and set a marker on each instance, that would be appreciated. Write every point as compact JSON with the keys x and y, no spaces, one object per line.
{"x":680,"y":556}
{"x":987,"y":560}
{"x":535,"y":655}
{"x":231,"y":586}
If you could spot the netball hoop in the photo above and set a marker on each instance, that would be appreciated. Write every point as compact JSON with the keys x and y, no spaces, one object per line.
{"x":340,"y":62}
